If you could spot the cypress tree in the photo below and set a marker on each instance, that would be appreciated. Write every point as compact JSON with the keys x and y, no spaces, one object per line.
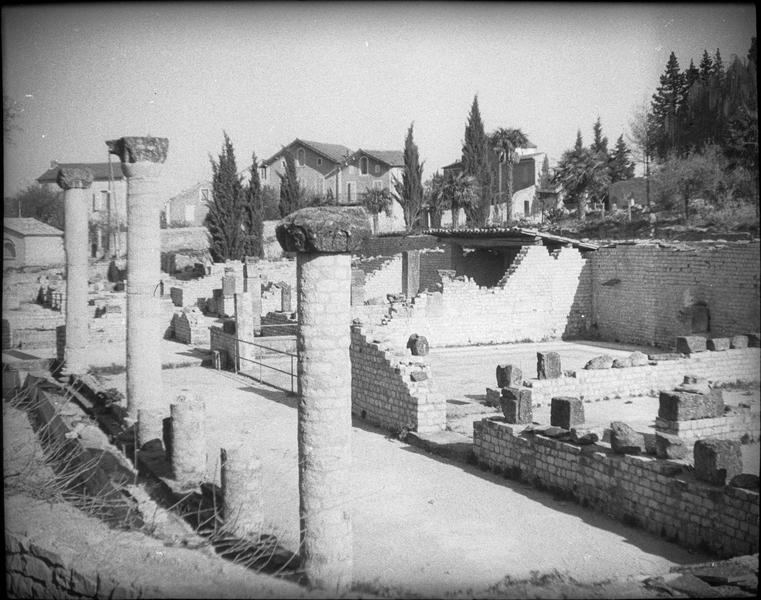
{"x":226,"y":207}
{"x":475,"y":163}
{"x":291,"y":193}
{"x":253,"y":216}
{"x":409,"y":190}
{"x":600,"y":143}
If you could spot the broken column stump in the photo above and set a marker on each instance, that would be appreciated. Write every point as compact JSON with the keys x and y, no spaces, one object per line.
{"x":150,"y":426}
{"x":717,"y":461}
{"x":188,"y":419}
{"x":548,"y":365}
{"x":242,"y":500}
{"x":566,"y":412}
{"x":509,"y":376}
{"x":625,"y":440}
{"x":516,"y":405}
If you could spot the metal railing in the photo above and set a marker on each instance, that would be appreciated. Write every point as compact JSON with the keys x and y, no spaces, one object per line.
{"x":258,"y":360}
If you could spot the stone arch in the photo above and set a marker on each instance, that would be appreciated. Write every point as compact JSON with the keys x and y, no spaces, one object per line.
{"x":9,"y":249}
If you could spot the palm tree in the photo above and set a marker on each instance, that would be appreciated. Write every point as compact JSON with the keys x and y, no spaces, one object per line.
{"x":375,"y":201}
{"x":460,"y":191}
{"x":434,"y":200}
{"x":506,"y":142}
{"x":582,"y":173}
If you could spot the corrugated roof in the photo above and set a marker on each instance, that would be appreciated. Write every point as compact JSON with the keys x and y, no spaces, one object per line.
{"x":29,"y":226}
{"x":393,"y":158}
{"x":333,"y":152}
{"x":100,"y":171}
{"x":497,"y":232}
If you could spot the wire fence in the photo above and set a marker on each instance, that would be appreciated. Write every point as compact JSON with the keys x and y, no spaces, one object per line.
{"x":272,"y":366}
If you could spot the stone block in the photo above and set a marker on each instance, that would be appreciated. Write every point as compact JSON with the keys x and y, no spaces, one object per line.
{"x":493,"y":397}
{"x":670,"y":446}
{"x":739,"y":342}
{"x":548,"y":365}
{"x":717,"y":344}
{"x":688,"y":344}
{"x":754,"y":339}
{"x":679,"y":405}
{"x":603,"y":361}
{"x":516,"y":405}
{"x":566,"y":412}
{"x":694,"y":385}
{"x":622,"y":363}
{"x":625,"y":440}
{"x":418,"y":376}
{"x":509,"y":376}
{"x":418,"y":345}
{"x":228,"y":285}
{"x":717,"y":461}
{"x":747,"y":481}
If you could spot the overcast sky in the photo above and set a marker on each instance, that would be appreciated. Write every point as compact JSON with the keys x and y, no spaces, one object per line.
{"x":355,"y":74}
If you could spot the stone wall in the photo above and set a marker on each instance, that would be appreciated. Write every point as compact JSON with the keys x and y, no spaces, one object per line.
{"x":652,"y":493}
{"x":385,"y":278}
{"x":643,"y":292}
{"x":743,"y":424}
{"x":393,"y":389}
{"x":539,"y":298}
{"x":728,"y":366}
{"x":224,"y":342}
{"x":183,"y":238}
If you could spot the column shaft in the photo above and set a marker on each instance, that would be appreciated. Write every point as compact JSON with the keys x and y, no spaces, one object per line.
{"x":324,"y":420}
{"x":143,"y":300}
{"x":76,"y":246}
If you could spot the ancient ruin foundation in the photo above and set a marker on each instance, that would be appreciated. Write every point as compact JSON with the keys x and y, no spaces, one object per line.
{"x":74,"y":183}
{"x":142,"y":159}
{"x":324,"y":239}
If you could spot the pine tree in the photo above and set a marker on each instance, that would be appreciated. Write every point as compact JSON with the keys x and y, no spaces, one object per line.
{"x":706,"y":66}
{"x":226,"y":208}
{"x":600,"y":143}
{"x":718,"y":67}
{"x":475,"y":163}
{"x":545,"y":179}
{"x":579,"y":145}
{"x":691,"y":75}
{"x":409,"y":191}
{"x":620,"y":166}
{"x":292,"y":195}
{"x":665,"y":108}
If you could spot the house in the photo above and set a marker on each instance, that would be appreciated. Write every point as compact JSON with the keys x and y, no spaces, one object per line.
{"x":108,"y":194}
{"x":29,"y":242}
{"x":334,"y":169}
{"x":526,"y":175}
{"x":190,"y":206}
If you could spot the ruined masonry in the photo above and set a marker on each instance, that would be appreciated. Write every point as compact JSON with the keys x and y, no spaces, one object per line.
{"x":324,"y":238}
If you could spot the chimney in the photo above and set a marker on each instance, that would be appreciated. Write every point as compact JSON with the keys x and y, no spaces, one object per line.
{"x":53,"y":164}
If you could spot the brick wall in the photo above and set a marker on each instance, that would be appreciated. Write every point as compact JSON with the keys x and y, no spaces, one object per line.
{"x":729,"y":366}
{"x":655,"y":494}
{"x":742,"y":424}
{"x":538,"y":299}
{"x":383,"y":392}
{"x":642,"y":291}
{"x":431,"y":261}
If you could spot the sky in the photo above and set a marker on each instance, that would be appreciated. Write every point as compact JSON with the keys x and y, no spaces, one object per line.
{"x":356,"y":74}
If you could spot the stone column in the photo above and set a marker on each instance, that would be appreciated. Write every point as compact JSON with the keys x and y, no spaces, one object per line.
{"x":324,"y":238}
{"x":410,"y":273}
{"x":76,"y":243}
{"x":142,"y":159}
{"x":188,"y":452}
{"x":242,"y":505}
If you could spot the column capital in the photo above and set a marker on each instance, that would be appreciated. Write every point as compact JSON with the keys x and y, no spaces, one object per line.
{"x":74,"y":177}
{"x":139,"y":149}
{"x":326,"y":229}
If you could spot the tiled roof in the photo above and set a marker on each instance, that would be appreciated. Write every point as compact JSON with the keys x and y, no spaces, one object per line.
{"x":333,"y":152}
{"x":29,"y":226}
{"x":100,"y":171}
{"x":454,"y":165}
{"x":393,"y":158}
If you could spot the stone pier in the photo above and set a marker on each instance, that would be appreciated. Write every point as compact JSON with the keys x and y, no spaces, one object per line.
{"x":142,"y":159}
{"x":247,"y":321}
{"x":188,"y":451}
{"x":74,"y":183}
{"x":323,"y":239}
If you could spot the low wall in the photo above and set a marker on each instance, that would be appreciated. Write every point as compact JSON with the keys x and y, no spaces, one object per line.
{"x":728,"y":366}
{"x":741,"y":424}
{"x":652,"y":493}
{"x":384,"y":392}
{"x":184,"y":238}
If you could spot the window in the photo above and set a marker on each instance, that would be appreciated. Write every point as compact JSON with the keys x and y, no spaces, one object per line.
{"x":378,"y":184}
{"x":363,"y":165}
{"x":319,"y":162}
{"x":263,"y":175}
{"x":205,"y":195}
{"x":301,"y":156}
{"x":9,"y":249}
{"x":377,"y":169}
{"x":349,"y":193}
{"x":526,"y":208}
{"x":97,"y":202}
{"x":104,"y":200}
